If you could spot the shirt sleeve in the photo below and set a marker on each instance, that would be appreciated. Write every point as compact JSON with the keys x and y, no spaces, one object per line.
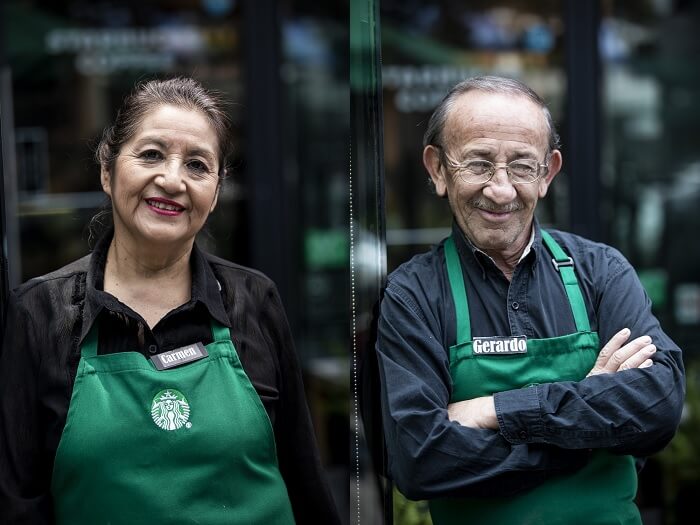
{"x":24,"y":479}
{"x":297,"y":451}
{"x":429,"y":455}
{"x":630,"y":412}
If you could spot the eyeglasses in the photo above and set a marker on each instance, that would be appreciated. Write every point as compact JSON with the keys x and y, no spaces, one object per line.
{"x":480,"y":171}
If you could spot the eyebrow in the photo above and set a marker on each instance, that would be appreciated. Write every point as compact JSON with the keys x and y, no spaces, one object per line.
{"x":480,"y":152}
{"x":210,"y":156}
{"x":477,"y":152}
{"x":202,"y":153}
{"x":150,"y":140}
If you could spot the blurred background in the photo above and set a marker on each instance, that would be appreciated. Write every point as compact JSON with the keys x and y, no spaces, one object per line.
{"x":330,"y":101}
{"x":623,"y":83}
{"x":283,"y":65}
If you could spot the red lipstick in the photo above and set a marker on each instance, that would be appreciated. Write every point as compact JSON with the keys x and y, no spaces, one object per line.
{"x":163,"y":206}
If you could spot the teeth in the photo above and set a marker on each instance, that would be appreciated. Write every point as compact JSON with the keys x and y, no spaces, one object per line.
{"x":163,"y":206}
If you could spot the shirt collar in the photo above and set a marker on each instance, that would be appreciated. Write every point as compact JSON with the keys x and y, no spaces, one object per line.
{"x":206,"y":289}
{"x":465,"y":246}
{"x":529,"y":244}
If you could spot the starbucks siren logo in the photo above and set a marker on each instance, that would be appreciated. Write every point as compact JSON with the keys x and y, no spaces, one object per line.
{"x":170,"y":410}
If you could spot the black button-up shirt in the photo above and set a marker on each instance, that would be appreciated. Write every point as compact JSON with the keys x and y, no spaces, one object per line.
{"x":48,"y":318}
{"x":545,"y":429}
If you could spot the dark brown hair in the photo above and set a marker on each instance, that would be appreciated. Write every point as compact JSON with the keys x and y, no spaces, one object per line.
{"x":181,"y":92}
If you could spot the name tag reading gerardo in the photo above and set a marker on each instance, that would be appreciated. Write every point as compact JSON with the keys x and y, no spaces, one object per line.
{"x":516,"y":344}
{"x":179,"y":356}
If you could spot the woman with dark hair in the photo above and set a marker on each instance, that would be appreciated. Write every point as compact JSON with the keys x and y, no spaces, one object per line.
{"x":150,"y":382}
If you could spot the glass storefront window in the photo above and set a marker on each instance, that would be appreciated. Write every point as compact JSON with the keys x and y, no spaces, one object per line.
{"x":315,"y":128}
{"x":71,"y":64}
{"x":428,"y":47}
{"x":283,"y":68}
{"x":650,"y":198}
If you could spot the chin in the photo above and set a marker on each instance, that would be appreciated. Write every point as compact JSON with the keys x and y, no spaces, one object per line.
{"x":492,"y":239}
{"x":165,"y":236}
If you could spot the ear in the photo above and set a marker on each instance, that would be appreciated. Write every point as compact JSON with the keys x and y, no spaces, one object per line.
{"x":431,"y":161}
{"x":106,"y":180}
{"x":555,"y":162}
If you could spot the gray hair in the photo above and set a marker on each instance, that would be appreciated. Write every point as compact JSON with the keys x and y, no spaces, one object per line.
{"x":490,"y":84}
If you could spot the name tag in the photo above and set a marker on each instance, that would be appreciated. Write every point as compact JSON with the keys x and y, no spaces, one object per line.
{"x":516,"y":344}
{"x":179,"y":356}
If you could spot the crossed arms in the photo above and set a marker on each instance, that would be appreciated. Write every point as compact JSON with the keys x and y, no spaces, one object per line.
{"x":436,"y":449}
{"x":615,"y":356}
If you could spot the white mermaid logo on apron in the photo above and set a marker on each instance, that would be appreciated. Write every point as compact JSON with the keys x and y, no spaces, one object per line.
{"x":170,"y":410}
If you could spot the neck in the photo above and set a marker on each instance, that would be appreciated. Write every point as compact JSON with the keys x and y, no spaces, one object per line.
{"x":150,"y":284}
{"x":127,"y":261}
{"x":507,"y":259}
{"x":505,"y":262}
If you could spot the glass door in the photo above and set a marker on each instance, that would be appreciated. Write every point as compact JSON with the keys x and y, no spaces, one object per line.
{"x":650,"y":202}
{"x":428,"y":46}
{"x":283,"y":68}
{"x":68,"y":66}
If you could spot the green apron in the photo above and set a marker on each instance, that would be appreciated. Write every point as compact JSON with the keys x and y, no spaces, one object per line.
{"x":603,"y":491}
{"x":184,"y":445}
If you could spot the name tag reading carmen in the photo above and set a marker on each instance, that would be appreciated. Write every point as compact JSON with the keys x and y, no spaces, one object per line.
{"x":179,"y":356}
{"x":516,"y":344}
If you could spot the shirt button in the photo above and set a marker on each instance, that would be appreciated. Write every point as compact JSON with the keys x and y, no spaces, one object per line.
{"x":153,"y":349}
{"x":523,"y":434}
{"x":515,"y":305}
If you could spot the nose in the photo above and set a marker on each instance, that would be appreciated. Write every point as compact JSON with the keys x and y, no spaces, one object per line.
{"x":170,"y":179}
{"x":500,"y":189}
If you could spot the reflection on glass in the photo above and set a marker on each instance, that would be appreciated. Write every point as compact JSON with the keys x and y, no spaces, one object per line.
{"x":71,"y":62}
{"x":368,"y":263}
{"x":651,"y":198}
{"x":315,"y":130}
{"x":427,"y":47}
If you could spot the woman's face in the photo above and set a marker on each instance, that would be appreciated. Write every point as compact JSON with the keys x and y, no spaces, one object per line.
{"x":165,"y":179}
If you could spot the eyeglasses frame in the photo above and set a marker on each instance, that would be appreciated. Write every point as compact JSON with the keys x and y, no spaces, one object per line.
{"x":448,"y":162}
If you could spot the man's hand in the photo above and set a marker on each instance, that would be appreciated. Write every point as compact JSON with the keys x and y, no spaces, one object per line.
{"x":614,"y":357}
{"x":479,"y":412}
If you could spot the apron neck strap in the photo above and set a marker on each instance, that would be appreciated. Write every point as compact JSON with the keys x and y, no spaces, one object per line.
{"x":562,"y":262}
{"x":89,"y":346}
{"x":565,"y":266}
{"x":459,"y":291}
{"x":219,"y":331}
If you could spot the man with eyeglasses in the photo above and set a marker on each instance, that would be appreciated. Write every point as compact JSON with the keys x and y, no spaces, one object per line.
{"x":523,"y":375}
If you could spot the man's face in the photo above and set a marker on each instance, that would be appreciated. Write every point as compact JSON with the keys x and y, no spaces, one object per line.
{"x":497,"y":215}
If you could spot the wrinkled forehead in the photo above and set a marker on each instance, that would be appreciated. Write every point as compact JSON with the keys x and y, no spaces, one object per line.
{"x":496,"y":117}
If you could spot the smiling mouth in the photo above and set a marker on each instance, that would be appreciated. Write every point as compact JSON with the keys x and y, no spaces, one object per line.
{"x":497,"y":216}
{"x":496,"y":212}
{"x":165,"y":206}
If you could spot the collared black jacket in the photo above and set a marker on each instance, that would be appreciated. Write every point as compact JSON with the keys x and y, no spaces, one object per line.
{"x":49,"y":316}
{"x":545,"y":430}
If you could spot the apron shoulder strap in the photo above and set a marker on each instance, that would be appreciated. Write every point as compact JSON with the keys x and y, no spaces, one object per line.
{"x":459,"y":292}
{"x":565,"y":266}
{"x":219,"y":332}
{"x":88,"y":348}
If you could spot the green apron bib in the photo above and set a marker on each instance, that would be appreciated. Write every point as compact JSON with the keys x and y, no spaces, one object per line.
{"x":179,"y":446}
{"x":603,"y":491}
